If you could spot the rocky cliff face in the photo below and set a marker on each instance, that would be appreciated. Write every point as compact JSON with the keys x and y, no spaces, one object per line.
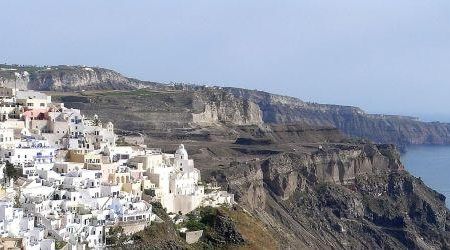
{"x":13,"y":78}
{"x":223,"y":107}
{"x":78,"y":79}
{"x":353,"y":121}
{"x":212,"y":105}
{"x":65,"y":78}
{"x":151,"y":111}
{"x":341,"y":166}
{"x":351,"y":197}
{"x":147,"y":109}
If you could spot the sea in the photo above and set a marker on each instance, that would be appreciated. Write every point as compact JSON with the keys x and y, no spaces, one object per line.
{"x":432,"y":165}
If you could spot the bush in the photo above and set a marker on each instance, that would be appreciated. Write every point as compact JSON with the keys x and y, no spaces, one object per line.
{"x":208,"y":215}
{"x":115,"y":236}
{"x":195,"y":225}
{"x":12,"y":172}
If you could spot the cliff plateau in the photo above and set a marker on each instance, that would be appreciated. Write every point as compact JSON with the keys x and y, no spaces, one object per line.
{"x":215,"y":105}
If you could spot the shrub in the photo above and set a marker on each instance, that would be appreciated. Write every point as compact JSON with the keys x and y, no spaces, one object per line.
{"x":194,"y":225}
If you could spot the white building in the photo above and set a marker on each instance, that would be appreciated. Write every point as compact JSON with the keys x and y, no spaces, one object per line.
{"x":78,"y":183}
{"x":13,"y":223}
{"x":32,"y":99}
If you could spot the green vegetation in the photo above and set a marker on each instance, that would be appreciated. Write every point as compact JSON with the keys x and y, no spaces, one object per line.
{"x":158,"y":209}
{"x":12,"y":172}
{"x":60,"y":244}
{"x":150,"y":192}
{"x":195,"y":225}
{"x":28,"y":68}
{"x":200,"y":219}
{"x":159,"y":235}
{"x":116,"y":237}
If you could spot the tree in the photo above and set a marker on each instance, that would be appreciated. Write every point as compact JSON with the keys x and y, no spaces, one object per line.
{"x":115,"y":236}
{"x":11,"y":172}
{"x":195,"y":225}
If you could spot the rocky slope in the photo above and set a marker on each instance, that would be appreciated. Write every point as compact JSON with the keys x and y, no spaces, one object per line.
{"x":223,"y":228}
{"x":356,"y":197}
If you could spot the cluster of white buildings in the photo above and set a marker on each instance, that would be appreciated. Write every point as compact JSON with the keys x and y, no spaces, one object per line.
{"x":77,"y":183}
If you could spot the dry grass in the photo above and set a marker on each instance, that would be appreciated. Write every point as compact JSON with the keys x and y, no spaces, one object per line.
{"x":255,"y":233}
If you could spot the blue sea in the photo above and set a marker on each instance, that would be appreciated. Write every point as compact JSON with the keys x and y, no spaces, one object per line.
{"x":432,"y":164}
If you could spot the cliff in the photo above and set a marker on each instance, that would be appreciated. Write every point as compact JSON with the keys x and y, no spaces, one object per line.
{"x":65,"y":78}
{"x":224,"y":107}
{"x":399,"y":130}
{"x":206,"y":106}
{"x":354,"y":196}
{"x":160,"y":111}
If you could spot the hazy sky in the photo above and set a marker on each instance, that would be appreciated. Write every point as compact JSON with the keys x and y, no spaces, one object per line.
{"x":382,"y":55}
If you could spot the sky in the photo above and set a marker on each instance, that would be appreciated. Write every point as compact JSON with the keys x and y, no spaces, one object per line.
{"x":384,"y":56}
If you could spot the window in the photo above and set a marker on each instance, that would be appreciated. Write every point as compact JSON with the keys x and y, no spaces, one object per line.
{"x":42,"y":104}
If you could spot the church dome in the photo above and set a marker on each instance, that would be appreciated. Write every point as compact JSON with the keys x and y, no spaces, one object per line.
{"x":181,"y":152}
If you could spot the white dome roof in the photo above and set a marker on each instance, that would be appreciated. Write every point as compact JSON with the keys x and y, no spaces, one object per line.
{"x":181,"y":151}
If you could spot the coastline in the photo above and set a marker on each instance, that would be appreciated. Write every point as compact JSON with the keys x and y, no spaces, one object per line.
{"x":430,"y":163}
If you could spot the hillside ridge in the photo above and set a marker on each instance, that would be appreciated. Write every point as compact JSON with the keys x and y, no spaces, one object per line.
{"x":212,"y":105}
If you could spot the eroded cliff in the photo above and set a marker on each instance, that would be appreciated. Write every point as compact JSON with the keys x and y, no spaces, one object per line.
{"x":399,"y":130}
{"x":216,"y":105}
{"x":347,"y":197}
{"x":66,"y":78}
{"x":224,"y":107}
